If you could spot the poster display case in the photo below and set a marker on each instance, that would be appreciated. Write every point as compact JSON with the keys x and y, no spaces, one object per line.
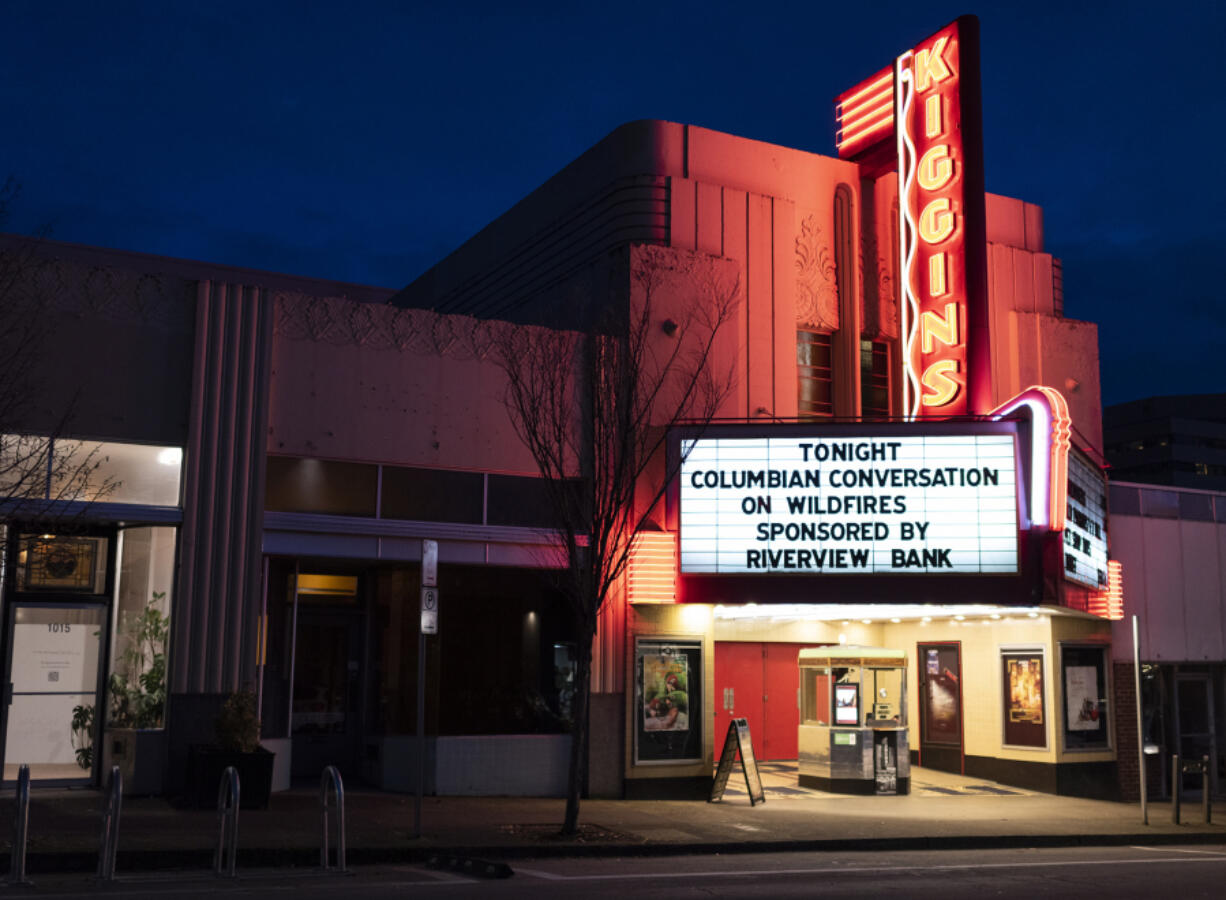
{"x":668,"y":714}
{"x":1024,"y":712}
{"x":1084,"y":677}
{"x":853,"y":721}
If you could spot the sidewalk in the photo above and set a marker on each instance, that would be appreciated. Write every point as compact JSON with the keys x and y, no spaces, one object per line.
{"x":942,"y":812}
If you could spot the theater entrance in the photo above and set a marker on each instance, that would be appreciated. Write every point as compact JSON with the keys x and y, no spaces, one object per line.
{"x":759,"y":681}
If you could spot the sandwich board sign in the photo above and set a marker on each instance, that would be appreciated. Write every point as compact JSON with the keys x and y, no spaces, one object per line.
{"x":738,"y":739}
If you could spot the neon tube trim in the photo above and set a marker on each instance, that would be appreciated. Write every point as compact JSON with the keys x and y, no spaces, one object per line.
{"x":1049,"y":443}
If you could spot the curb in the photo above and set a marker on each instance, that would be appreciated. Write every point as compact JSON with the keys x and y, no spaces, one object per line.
{"x":76,"y":861}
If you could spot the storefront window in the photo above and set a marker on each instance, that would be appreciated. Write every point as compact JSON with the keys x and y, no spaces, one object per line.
{"x":40,"y":468}
{"x":137,"y":686}
{"x":321,"y":486}
{"x":119,"y":473}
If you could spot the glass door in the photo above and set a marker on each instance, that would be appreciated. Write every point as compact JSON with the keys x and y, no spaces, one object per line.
{"x":52,"y":697}
{"x":1194,"y":715}
{"x":325,"y":718}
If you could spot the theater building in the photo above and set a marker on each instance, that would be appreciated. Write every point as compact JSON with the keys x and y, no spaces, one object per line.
{"x":907,"y":461}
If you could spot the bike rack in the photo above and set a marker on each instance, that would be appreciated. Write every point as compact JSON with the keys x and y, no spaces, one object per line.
{"x":225,"y":858}
{"x":21,"y":828}
{"x":110,"y":827}
{"x":1200,"y":767}
{"x":331,"y":777}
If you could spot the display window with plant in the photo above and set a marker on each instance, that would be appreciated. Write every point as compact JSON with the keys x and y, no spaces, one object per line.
{"x":137,"y":687}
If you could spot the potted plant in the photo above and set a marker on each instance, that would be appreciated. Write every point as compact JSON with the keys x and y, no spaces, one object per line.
{"x":134,"y":739}
{"x":237,"y":744}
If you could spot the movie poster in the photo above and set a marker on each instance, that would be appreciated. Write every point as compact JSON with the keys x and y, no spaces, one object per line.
{"x":1025,"y":677}
{"x":1081,"y":694}
{"x":666,"y":693}
{"x":1025,"y":717}
{"x":668,"y":714}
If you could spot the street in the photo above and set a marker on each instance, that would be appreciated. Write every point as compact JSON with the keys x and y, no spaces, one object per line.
{"x":1119,"y":872}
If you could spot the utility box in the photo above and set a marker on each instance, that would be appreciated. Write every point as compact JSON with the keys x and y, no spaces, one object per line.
{"x":853,"y":720}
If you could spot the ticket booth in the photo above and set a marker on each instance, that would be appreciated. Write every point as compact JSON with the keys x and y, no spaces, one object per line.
{"x":853,"y":720}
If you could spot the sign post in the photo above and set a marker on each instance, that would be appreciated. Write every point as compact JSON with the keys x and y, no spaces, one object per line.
{"x":429,"y":625}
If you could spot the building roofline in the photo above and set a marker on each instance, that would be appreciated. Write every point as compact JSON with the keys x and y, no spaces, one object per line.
{"x":193,"y":270}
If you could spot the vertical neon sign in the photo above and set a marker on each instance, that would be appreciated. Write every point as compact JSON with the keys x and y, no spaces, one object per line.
{"x":936,"y":120}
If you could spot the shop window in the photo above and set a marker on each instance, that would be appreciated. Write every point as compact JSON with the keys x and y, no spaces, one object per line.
{"x":320,"y":486}
{"x":1160,"y":504}
{"x":1197,"y":507}
{"x":503,"y":661}
{"x":23,"y":465}
{"x":1125,"y":501}
{"x":515,"y":500}
{"x":874,"y":379}
{"x":137,"y":686}
{"x":119,"y":473}
{"x":90,"y":471}
{"x":432,"y":495}
{"x":814,"y":373}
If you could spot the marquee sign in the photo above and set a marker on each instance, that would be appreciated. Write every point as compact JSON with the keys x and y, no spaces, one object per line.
{"x":883,"y":504}
{"x":1085,"y":526}
{"x":930,"y":104}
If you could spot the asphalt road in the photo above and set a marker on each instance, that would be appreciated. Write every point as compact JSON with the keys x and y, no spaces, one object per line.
{"x":1120,"y":873}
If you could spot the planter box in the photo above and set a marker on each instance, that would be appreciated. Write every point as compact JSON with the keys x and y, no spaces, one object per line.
{"x":205,"y":766}
{"x":140,"y":755}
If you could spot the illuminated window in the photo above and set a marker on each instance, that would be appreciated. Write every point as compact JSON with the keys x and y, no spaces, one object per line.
{"x":874,"y":378}
{"x":814,"y":374}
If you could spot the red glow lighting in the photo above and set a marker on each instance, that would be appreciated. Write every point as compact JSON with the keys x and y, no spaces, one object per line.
{"x":864,"y":114}
{"x":1109,"y":604}
{"x":652,"y":572}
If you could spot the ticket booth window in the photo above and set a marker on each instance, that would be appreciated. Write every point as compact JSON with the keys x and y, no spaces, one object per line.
{"x":815,"y":698}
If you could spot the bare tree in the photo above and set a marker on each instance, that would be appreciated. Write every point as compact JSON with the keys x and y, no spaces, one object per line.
{"x":40,"y":472}
{"x":594,"y":408}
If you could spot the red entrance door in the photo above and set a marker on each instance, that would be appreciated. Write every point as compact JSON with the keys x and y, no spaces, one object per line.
{"x":738,"y":690}
{"x":759,"y":681}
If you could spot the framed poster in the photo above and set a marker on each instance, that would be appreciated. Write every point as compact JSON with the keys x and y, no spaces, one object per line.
{"x":1084,"y":676}
{"x":668,"y":701}
{"x":1024,"y":711}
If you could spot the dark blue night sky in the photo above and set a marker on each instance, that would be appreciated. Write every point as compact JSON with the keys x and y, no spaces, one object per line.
{"x":363,"y":141}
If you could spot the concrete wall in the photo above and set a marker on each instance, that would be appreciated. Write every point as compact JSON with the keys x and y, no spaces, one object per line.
{"x":356,"y":381}
{"x":128,"y":332}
